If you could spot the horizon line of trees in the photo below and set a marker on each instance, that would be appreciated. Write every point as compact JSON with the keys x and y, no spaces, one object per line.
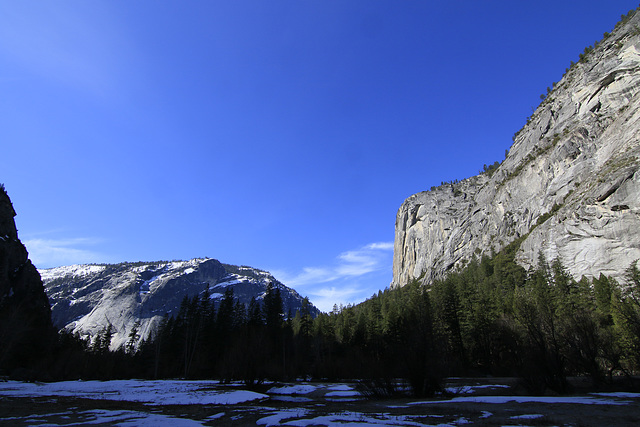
{"x":491,"y":318}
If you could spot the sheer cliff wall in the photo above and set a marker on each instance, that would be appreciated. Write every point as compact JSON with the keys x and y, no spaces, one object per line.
{"x":570,"y":183}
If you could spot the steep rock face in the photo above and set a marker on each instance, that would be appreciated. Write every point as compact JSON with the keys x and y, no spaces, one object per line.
{"x":25,"y":316}
{"x":570,"y":183}
{"x":86,"y":298}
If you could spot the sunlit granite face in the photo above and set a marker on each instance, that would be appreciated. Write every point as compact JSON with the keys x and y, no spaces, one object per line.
{"x":569,"y":184}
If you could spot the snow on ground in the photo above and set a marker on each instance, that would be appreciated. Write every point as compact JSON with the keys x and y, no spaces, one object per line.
{"x":469,"y":389}
{"x":330,"y":391}
{"x":351,"y":393}
{"x":277,"y":416}
{"x":293,"y":418}
{"x":296,"y":399}
{"x":342,"y":390}
{"x":216,"y":416}
{"x":294,"y":389}
{"x":102,"y":417}
{"x":314,"y":410}
{"x":340,"y":387}
{"x":619,"y":394}
{"x":150,"y":392}
{"x":584,"y":400}
{"x":527,"y":417}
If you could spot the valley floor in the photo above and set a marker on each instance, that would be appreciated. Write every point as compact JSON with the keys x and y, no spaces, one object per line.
{"x":491,"y":402}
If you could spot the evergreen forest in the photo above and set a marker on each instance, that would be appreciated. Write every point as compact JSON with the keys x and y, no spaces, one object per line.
{"x":491,"y":318}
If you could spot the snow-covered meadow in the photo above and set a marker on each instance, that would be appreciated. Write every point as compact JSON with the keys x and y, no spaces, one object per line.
{"x":148,"y":392}
{"x":187,"y":403}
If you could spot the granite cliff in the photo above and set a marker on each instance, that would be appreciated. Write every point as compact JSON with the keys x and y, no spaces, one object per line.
{"x":569,"y":186}
{"x":25,"y":317}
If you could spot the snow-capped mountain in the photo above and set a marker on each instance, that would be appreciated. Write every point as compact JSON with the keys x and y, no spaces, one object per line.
{"x":86,"y":298}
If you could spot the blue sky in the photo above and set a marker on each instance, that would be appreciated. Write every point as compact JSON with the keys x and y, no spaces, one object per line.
{"x":283,"y":135}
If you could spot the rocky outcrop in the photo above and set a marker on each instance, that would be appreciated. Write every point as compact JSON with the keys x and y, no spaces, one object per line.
{"x":25,"y":316}
{"x":569,"y":185}
{"x":87,"y":298}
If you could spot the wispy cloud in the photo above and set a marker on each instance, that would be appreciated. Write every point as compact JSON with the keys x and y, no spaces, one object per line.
{"x":46,"y":253}
{"x":341,"y":283}
{"x":385,"y":246}
{"x":354,"y":263}
{"x":326,"y":297}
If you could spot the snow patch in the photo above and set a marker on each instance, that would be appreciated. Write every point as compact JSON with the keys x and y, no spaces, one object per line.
{"x":150,"y":392}
{"x":145,"y":288}
{"x":287,"y":398}
{"x":79,"y":270}
{"x":277,"y":417}
{"x":228,"y":283}
{"x":584,"y":400}
{"x":293,"y":389}
{"x":619,"y":394}
{"x":106,"y":417}
{"x":342,"y":390}
{"x":527,"y":417}
{"x":340,"y":387}
{"x":216,"y":416}
{"x":469,"y":389}
{"x":351,"y":393}
{"x":350,"y":418}
{"x":232,"y":279}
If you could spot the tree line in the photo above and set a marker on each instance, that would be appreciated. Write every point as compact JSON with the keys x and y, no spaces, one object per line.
{"x":495,"y":318}
{"x":491,"y":318}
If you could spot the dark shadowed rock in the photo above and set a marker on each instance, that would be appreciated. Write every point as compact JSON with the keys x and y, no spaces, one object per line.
{"x":25,"y":315}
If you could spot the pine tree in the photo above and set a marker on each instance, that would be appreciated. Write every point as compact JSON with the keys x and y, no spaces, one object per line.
{"x":102,"y":341}
{"x":273,"y":309}
{"x":134,"y":336}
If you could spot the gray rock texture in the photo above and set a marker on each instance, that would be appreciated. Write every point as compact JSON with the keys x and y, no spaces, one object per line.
{"x":570,"y":183}
{"x":86,"y":298}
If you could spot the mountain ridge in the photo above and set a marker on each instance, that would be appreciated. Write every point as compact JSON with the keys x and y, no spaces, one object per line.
{"x":86,"y":298}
